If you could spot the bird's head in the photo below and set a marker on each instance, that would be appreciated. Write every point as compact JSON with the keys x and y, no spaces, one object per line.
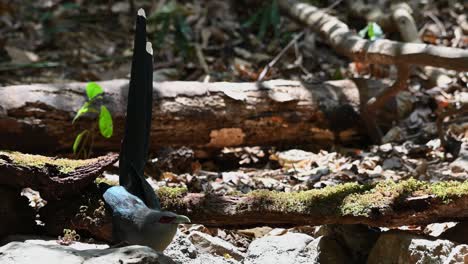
{"x":164,"y":217}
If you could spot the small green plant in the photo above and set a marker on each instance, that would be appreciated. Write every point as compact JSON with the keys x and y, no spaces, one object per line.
{"x":267,"y":16}
{"x":82,"y":146}
{"x":171,"y":19}
{"x":372,"y":31}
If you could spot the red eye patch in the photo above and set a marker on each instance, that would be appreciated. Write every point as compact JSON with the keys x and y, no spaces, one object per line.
{"x":166,"y":219}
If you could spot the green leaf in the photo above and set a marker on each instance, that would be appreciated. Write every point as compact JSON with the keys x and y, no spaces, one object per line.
{"x":93,"y":89}
{"x":372,"y":30}
{"x":105,"y":123}
{"x":83,"y":110}
{"x":78,"y":139}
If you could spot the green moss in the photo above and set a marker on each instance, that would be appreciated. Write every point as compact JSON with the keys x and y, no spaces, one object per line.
{"x":321,"y":201}
{"x":172,"y":197}
{"x":388,"y":194}
{"x":352,"y":198}
{"x":63,"y":165}
{"x":447,"y":191}
{"x":345,"y":199}
{"x":106,"y":181}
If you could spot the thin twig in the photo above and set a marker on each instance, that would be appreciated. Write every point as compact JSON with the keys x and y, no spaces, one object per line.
{"x":438,"y":23}
{"x":201,"y":58}
{"x":275,"y":60}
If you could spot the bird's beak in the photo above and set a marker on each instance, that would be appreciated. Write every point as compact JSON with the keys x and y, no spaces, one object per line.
{"x":182,"y":219}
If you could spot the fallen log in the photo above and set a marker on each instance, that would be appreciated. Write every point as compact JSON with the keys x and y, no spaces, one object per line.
{"x":389,"y":204}
{"x":202,"y":116}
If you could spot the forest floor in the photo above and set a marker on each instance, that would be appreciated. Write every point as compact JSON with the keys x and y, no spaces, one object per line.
{"x":67,"y":41}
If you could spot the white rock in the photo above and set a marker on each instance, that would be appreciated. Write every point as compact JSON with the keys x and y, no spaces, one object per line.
{"x":181,"y":249}
{"x":214,"y":245}
{"x":48,"y":253}
{"x":289,"y":248}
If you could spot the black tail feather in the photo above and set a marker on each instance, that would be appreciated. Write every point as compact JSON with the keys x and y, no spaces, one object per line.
{"x":134,"y":149}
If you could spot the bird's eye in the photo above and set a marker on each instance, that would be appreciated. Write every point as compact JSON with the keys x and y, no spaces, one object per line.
{"x":166,"y":219}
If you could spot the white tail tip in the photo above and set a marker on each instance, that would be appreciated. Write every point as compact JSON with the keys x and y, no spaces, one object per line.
{"x":149,"y":48}
{"x":141,"y":12}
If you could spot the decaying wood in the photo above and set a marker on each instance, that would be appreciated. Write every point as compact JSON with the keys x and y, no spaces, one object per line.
{"x":199,"y":115}
{"x":54,"y":178}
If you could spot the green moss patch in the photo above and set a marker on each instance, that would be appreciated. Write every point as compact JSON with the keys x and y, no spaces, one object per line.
{"x":172,"y":197}
{"x":349,"y":199}
{"x":388,"y":194}
{"x":353,"y":199}
{"x":106,"y":181}
{"x":320,"y":201}
{"x":37,"y":161}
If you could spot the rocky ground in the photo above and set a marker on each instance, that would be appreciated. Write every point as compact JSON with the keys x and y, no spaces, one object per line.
{"x":194,"y":244}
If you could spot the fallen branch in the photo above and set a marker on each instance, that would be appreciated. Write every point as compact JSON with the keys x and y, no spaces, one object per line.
{"x":402,"y":19}
{"x":203,"y":116}
{"x":386,"y":204}
{"x":382,"y":51}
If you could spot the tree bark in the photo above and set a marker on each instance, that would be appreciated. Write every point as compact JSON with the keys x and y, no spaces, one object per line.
{"x":204,"y":116}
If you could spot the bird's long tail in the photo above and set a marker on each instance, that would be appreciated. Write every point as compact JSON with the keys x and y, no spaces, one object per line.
{"x":135,"y":144}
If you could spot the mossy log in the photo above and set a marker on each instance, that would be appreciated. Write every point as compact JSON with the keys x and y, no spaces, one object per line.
{"x":386,"y":204}
{"x":202,"y":116}
{"x":389,"y":204}
{"x":54,"y":178}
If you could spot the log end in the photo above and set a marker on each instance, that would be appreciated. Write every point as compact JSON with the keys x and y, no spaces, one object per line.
{"x":64,"y":166}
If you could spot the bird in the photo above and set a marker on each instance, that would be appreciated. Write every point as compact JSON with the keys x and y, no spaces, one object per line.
{"x":137,"y":217}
